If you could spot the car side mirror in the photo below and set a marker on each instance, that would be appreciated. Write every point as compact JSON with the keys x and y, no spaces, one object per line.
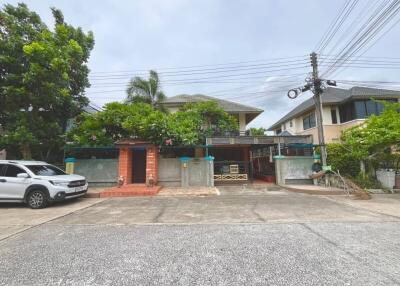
{"x":23,"y":175}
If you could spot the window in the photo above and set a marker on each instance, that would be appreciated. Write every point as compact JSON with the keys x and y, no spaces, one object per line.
{"x":334,"y":116}
{"x":346,"y":112}
{"x":45,"y":170}
{"x":284,"y":126}
{"x":13,"y":171}
{"x":360,"y":109}
{"x":309,"y":121}
{"x":371,"y":108}
{"x":291,"y":123}
{"x":2,"y":166}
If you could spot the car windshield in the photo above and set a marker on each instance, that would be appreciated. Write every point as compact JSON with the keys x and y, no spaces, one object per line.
{"x":45,"y":170}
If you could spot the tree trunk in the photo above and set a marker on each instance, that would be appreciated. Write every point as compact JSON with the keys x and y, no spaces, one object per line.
{"x":362,"y":167}
{"x":26,"y":151}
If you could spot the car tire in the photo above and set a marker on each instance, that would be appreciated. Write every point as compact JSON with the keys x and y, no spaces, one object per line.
{"x":37,"y":199}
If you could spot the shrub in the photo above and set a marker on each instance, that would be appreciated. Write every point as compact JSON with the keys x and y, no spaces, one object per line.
{"x":342,"y":160}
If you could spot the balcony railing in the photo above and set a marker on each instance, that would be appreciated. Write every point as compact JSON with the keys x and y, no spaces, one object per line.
{"x":230,"y":133}
{"x":254,"y":140}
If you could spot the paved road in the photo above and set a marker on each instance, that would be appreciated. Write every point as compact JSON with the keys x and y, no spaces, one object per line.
{"x":254,"y":238}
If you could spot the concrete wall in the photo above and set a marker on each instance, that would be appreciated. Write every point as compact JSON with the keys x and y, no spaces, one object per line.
{"x":197,"y":172}
{"x":293,"y":169}
{"x":98,"y":172}
{"x":332,"y":131}
{"x":169,"y":171}
{"x":386,"y":178}
{"x":184,"y":173}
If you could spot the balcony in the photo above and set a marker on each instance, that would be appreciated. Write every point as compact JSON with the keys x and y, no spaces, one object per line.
{"x":258,"y":140}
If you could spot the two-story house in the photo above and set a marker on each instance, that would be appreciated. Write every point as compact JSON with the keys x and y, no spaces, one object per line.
{"x":243,"y":113}
{"x":225,"y":158}
{"x":341,"y":109}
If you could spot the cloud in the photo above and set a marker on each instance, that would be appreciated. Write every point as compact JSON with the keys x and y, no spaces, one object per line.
{"x":144,"y":34}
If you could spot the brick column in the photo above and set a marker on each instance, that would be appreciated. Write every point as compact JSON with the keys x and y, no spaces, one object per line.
{"x":152,"y":163}
{"x":125,"y":165}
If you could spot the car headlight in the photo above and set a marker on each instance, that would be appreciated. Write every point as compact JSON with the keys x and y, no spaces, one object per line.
{"x":59,"y":183}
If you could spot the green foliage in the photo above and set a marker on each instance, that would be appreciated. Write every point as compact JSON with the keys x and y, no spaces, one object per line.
{"x":146,"y":91}
{"x":371,"y":144}
{"x":257,"y":131}
{"x":43,"y":76}
{"x":189,"y":126}
{"x":117,"y":121}
{"x":375,"y":136}
{"x":341,"y":160}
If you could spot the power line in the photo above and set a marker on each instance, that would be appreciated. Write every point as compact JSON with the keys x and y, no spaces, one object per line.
{"x":357,"y":19}
{"x":374,"y":25}
{"x":339,"y":25}
{"x":238,"y":74}
{"x":271,"y":60}
{"x":371,"y":17}
{"x":331,"y":26}
{"x":206,"y":71}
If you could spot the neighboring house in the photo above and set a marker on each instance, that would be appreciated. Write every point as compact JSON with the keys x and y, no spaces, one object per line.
{"x":243,"y":113}
{"x":90,"y":109}
{"x":342,"y":109}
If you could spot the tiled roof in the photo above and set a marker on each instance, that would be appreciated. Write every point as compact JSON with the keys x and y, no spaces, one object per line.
{"x":227,"y":105}
{"x":335,"y":96}
{"x":91,"y":108}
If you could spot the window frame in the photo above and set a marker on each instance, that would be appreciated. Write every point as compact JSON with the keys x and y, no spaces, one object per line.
{"x":334,"y":117}
{"x":2,"y":169}
{"x":15,"y":166}
{"x":309,"y":121}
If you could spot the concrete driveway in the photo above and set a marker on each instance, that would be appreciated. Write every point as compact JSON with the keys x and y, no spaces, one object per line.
{"x":234,"y":205}
{"x":264,"y":236}
{"x":15,"y":218}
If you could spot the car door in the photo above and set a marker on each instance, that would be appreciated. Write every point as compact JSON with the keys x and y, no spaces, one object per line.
{"x":2,"y":181}
{"x":11,"y":186}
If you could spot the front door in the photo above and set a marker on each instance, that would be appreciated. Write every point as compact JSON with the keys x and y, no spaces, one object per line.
{"x":139,"y":166}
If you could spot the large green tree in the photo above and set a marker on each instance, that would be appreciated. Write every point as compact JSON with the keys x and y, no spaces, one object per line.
{"x":43,"y":77}
{"x":118,"y":121}
{"x":146,"y":90}
{"x":189,"y":126}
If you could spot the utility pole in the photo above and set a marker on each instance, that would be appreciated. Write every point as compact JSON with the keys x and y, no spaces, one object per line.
{"x":316,"y":85}
{"x":317,"y":90}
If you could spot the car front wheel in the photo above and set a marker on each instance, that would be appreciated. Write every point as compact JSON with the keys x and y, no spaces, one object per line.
{"x":37,"y":199}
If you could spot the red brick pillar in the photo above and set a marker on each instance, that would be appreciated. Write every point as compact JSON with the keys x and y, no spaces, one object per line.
{"x":152,"y":163}
{"x":125,"y":165}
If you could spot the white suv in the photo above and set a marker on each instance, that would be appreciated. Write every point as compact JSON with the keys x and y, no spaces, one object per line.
{"x":38,"y":183}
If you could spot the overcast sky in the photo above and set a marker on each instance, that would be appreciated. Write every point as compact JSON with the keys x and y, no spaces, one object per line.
{"x":137,"y":35}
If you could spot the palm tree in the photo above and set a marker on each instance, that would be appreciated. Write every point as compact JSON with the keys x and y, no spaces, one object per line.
{"x":147,"y":91}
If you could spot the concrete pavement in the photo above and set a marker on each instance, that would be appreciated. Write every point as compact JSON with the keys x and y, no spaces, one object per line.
{"x":245,"y":236}
{"x":262,"y":254}
{"x":234,"y":205}
{"x":15,"y":218}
